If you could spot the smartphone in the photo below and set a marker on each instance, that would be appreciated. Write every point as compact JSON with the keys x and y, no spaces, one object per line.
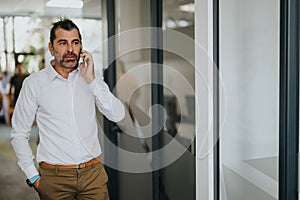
{"x":81,"y":60}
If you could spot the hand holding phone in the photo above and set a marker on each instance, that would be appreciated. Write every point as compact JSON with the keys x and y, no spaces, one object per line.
{"x":81,"y":60}
{"x":86,"y":65}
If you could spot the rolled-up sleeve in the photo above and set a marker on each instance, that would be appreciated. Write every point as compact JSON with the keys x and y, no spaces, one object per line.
{"x":22,"y":121}
{"x":106,"y":102}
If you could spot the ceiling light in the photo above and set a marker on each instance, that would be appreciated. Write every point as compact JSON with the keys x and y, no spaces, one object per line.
{"x":65,"y":3}
{"x":183,"y":23}
{"x":171,"y":23}
{"x":187,"y":7}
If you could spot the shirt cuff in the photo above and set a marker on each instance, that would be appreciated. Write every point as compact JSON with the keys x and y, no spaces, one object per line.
{"x":34,"y":179}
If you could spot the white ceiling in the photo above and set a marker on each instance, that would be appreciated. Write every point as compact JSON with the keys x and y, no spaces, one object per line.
{"x":91,"y":9}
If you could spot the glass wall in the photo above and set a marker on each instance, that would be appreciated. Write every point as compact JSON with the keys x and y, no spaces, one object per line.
{"x":134,"y":40}
{"x":179,"y":99}
{"x":133,"y":87}
{"x":249,"y":68}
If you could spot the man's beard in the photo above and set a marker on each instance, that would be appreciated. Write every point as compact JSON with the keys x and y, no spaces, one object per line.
{"x":68,"y":64}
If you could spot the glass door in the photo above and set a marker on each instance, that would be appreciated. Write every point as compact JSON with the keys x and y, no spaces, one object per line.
{"x":156,"y":139}
{"x":249,"y":68}
{"x":178,"y":176}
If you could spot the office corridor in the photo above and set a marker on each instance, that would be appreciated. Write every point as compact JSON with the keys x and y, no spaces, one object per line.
{"x":12,"y":180}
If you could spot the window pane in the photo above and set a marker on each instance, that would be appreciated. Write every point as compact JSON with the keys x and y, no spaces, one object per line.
{"x":28,"y":34}
{"x":179,"y":99}
{"x":8,"y":23}
{"x":133,"y":66}
{"x":249,"y":63}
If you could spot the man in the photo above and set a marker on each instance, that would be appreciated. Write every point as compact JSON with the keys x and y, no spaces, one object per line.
{"x":16,"y":83}
{"x":62,"y":97}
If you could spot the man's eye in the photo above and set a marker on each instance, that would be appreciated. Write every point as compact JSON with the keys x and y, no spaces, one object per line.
{"x":76,"y":42}
{"x":62,"y":43}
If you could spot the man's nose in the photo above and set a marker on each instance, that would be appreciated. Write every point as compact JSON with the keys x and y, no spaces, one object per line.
{"x":70,"y":48}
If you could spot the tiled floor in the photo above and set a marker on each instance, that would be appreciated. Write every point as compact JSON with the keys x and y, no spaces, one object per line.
{"x":12,"y":179}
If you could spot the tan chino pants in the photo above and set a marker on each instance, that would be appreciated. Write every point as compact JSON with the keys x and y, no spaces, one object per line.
{"x":86,"y":183}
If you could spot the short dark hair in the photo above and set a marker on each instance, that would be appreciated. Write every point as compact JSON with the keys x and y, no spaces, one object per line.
{"x":65,"y":24}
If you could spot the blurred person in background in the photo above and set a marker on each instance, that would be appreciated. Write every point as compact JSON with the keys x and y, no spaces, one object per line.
{"x":4,"y":88}
{"x":16,"y":83}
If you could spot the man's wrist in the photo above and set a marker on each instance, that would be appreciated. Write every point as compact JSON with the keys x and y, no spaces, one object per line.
{"x":90,"y":79}
{"x":32,"y":180}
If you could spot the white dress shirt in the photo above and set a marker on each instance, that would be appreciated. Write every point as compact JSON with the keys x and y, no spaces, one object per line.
{"x":65,"y":115}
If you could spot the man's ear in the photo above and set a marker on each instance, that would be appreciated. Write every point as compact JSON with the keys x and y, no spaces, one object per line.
{"x":50,"y":46}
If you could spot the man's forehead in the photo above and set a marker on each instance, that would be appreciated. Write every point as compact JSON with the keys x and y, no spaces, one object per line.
{"x":66,"y":34}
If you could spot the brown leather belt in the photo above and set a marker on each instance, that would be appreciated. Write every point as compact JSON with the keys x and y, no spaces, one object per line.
{"x":79,"y":166}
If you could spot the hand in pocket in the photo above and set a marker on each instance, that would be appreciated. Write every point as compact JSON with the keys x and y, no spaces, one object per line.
{"x":36,"y":184}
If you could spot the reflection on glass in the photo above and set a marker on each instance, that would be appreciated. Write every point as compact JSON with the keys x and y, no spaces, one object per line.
{"x":179,"y":97}
{"x":133,"y":59}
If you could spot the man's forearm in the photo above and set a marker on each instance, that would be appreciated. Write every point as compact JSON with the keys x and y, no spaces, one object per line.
{"x":24,"y":155}
{"x":106,"y":102}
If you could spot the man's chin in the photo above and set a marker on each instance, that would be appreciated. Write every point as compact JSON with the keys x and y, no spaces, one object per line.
{"x":70,"y":65}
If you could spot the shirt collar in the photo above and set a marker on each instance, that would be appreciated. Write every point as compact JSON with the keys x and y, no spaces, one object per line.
{"x":52,"y":74}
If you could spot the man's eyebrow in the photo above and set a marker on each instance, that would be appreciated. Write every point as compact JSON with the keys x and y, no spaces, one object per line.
{"x":61,"y":40}
{"x":64,"y":40}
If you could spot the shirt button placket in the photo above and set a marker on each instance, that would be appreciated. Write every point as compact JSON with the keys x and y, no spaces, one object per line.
{"x":76,"y":136}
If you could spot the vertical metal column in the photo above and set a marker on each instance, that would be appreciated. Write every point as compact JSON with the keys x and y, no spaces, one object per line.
{"x":110,"y":79}
{"x":216,"y":101}
{"x":157,"y":91}
{"x":289,"y":100}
